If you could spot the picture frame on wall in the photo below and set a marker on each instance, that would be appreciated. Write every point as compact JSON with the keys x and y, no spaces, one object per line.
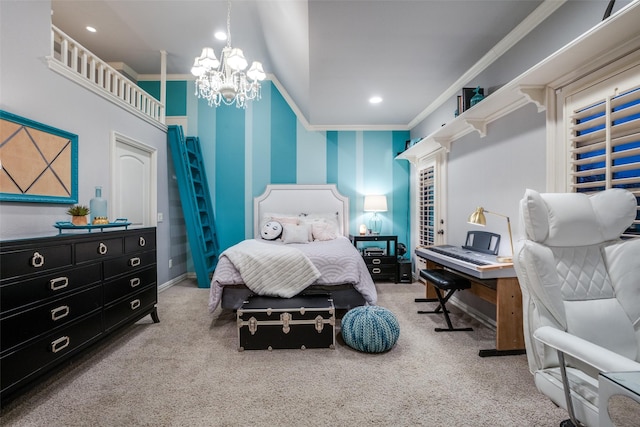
{"x":467,"y":94}
{"x":39,"y":163}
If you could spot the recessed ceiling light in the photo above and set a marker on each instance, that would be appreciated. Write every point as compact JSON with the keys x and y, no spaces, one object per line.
{"x":91,"y":29}
{"x":375,"y":100}
{"x":220,"y":35}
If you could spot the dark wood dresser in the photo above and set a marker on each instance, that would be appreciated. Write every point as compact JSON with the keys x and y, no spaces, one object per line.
{"x":62,"y":293}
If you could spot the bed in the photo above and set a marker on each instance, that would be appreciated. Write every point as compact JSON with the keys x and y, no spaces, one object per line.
{"x":330,"y":264}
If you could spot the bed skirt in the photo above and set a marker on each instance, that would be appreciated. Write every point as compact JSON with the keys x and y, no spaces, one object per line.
{"x":345,"y":297}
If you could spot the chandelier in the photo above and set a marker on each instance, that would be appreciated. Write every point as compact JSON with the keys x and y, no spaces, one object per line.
{"x":224,"y":81}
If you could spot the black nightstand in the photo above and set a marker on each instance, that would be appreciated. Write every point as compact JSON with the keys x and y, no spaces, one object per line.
{"x":380,"y":255}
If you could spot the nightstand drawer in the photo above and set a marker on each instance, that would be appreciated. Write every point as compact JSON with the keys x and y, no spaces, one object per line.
{"x":382,"y":271}
{"x":379,"y":261}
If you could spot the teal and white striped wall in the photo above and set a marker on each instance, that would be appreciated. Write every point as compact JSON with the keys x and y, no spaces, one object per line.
{"x":244,"y":150}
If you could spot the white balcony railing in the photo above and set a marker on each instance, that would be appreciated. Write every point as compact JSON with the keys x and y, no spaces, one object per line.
{"x":80,"y":65}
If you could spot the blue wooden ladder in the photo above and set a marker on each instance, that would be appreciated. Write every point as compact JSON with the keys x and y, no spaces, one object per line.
{"x":196,"y":203}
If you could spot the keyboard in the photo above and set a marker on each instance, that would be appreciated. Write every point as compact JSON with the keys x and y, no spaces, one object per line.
{"x":459,"y":256}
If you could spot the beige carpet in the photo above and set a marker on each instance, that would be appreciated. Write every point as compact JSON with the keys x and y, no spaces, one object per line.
{"x":186,"y":371}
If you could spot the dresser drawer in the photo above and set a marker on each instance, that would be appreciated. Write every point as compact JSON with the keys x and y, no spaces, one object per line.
{"x":125,"y":264}
{"x":29,"y":324}
{"x":128,"y":284}
{"x":142,"y":241}
{"x":34,"y":260}
{"x":30,"y":292}
{"x":128,"y":308}
{"x":98,"y":249}
{"x":38,"y":357}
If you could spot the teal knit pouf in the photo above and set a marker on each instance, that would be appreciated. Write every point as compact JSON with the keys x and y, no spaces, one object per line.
{"x":370,"y":328}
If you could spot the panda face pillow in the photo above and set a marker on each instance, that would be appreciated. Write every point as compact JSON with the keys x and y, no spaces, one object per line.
{"x":271,"y":230}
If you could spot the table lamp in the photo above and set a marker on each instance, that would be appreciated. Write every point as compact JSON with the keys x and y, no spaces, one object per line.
{"x":375,"y":204}
{"x":478,"y":218}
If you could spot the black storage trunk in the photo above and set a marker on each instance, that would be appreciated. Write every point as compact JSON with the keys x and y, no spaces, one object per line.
{"x":266,"y":323}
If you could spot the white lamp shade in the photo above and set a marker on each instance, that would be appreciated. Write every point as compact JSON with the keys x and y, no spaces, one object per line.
{"x":256,"y":72}
{"x":208,"y":58}
{"x":375,"y":203}
{"x":197,"y":69}
{"x":236,"y":60}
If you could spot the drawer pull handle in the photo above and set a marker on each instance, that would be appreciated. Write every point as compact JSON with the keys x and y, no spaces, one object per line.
{"x":135,"y":304}
{"x":134,"y":282}
{"x":134,"y":262}
{"x":37,"y":260}
{"x":102,"y":248}
{"x":58,"y":283}
{"x":376,"y":270}
{"x":59,"y":312}
{"x":376,"y":261}
{"x":60,"y":344}
{"x":141,"y":241}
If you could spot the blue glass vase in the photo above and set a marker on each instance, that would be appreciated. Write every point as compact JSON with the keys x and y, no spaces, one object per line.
{"x":477,"y":97}
{"x":98,"y":206}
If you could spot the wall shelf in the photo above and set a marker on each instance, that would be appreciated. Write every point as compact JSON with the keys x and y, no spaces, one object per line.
{"x":604,"y":43}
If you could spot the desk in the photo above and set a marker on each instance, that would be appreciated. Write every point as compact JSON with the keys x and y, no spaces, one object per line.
{"x":500,"y":287}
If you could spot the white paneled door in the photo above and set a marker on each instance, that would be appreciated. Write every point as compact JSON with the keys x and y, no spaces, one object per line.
{"x":134,"y":181}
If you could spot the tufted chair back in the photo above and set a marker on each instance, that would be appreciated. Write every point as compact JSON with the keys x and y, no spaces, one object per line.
{"x":578,"y":277}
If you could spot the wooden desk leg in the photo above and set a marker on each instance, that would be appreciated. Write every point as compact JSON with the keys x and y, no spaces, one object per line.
{"x":509,"y":332}
{"x":429,"y":290}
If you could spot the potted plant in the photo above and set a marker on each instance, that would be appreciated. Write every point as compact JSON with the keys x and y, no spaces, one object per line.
{"x":78,"y":214}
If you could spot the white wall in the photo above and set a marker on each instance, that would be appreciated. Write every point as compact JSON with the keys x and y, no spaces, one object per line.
{"x":28,"y":88}
{"x":493,"y":172}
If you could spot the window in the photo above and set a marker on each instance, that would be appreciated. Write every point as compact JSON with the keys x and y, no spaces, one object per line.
{"x":604,"y":138}
{"x":426,"y":206}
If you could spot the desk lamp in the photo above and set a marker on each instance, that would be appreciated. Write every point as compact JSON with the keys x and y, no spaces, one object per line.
{"x":375,"y":204}
{"x":478,"y":218}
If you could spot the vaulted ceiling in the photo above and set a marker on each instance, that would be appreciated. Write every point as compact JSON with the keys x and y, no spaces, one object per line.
{"x":330,"y":56}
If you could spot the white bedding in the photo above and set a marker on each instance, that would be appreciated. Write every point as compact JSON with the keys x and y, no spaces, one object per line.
{"x":337,"y":260}
{"x":278,"y":271}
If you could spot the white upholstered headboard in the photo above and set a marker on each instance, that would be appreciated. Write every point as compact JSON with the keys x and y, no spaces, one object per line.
{"x":301,"y":198}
